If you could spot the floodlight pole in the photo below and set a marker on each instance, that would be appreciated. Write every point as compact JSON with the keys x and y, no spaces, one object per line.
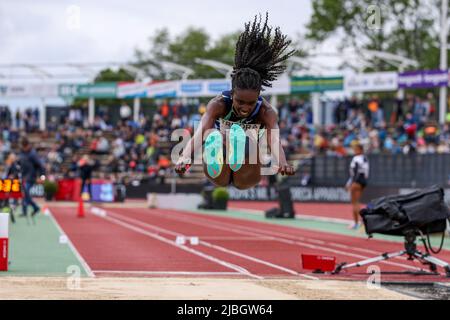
{"x":443,"y":64}
{"x":91,"y":110}
{"x":315,"y":96}
{"x":136,"y":109}
{"x":139,"y":76}
{"x":42,"y":115}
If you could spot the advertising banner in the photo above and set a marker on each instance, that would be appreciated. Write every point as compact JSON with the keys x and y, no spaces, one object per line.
{"x":102,"y":192}
{"x":423,"y":79}
{"x":4,"y":237}
{"x":28,"y":90}
{"x":166,"y":89}
{"x":192,"y":88}
{"x":316,"y":84}
{"x":369,"y":82}
{"x":214,"y":87}
{"x":95,"y":90}
{"x":132,"y":89}
{"x":19,"y":91}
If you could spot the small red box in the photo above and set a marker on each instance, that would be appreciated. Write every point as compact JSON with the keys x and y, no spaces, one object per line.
{"x":318,"y":263}
{"x":3,"y":254}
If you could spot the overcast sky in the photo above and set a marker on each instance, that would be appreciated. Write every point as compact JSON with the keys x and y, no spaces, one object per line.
{"x":46,"y":31}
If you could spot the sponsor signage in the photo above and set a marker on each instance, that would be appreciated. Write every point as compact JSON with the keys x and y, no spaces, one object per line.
{"x":131,"y":89}
{"x":95,"y":90}
{"x":316,"y":84}
{"x":28,"y":90}
{"x":375,"y":81}
{"x":319,"y":194}
{"x":166,"y":89}
{"x":423,"y":79}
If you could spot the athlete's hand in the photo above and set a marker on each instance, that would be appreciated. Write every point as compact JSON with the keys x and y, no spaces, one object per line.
{"x":182,"y":165}
{"x":286,"y":169}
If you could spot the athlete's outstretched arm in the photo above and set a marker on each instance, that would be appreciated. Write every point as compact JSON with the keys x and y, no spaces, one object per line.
{"x":270,"y":119}
{"x":214,"y":110}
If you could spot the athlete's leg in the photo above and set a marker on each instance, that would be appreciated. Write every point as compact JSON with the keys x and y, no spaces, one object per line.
{"x":249,"y":175}
{"x":223,"y":180}
{"x":213,"y":159}
{"x":236,"y":147}
{"x":356,"y":191}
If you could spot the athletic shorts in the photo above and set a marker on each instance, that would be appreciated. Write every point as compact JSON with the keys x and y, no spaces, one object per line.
{"x":361,"y":180}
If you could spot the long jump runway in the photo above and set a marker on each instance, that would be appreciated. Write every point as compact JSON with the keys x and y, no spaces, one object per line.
{"x":142,"y":242}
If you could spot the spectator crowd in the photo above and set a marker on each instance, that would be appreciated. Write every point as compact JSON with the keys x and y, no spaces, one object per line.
{"x":136,"y":150}
{"x":411,"y":127}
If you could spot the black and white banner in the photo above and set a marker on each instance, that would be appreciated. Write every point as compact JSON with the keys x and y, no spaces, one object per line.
{"x":319,"y":194}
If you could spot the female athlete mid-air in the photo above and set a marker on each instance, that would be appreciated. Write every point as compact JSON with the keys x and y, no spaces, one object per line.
{"x":229,"y":118}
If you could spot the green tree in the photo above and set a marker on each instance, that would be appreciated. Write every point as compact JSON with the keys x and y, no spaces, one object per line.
{"x":406,"y":27}
{"x":108,"y":75}
{"x":183,"y":49}
{"x":159,"y":51}
{"x":224,"y":48}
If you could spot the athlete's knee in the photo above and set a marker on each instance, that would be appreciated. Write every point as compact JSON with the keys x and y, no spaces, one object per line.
{"x":222,"y":180}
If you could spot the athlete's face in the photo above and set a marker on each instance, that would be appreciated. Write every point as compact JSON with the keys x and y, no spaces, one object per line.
{"x":244,"y":101}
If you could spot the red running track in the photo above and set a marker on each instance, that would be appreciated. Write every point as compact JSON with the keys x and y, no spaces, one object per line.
{"x":228,"y":246}
{"x":109,"y":246}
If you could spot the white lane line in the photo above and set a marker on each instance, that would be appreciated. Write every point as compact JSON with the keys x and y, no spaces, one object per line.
{"x":320,"y":245}
{"x":182,"y":247}
{"x":232,"y":238}
{"x":280,"y":237}
{"x":275,"y":266}
{"x":298,"y":216}
{"x":322,"y":219}
{"x":220,"y":248}
{"x":183,"y":273}
{"x":83,"y":262}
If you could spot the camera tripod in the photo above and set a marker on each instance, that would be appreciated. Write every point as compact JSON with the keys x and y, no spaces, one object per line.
{"x":410,"y":250}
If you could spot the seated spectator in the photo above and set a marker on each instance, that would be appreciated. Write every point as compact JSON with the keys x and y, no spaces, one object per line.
{"x":118,"y":147}
{"x":102,"y":146}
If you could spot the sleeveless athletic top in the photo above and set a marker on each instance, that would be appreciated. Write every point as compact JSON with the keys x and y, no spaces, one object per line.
{"x":246,"y":123}
{"x":359,"y":169}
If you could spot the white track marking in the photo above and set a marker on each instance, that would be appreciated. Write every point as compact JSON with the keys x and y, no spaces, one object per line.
{"x":322,"y":219}
{"x":281,"y":237}
{"x":83,"y":262}
{"x":298,"y":216}
{"x":233,"y":238}
{"x":162,"y":273}
{"x":275,"y":266}
{"x":207,"y":244}
{"x":182,"y":247}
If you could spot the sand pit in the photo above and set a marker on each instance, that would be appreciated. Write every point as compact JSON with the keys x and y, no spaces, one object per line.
{"x":186,"y":289}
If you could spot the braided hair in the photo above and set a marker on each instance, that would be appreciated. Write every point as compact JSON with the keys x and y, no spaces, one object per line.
{"x":259,"y":57}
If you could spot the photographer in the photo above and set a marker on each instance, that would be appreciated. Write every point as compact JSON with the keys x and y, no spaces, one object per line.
{"x":12,"y":171}
{"x":86,"y":166}
{"x":31,"y":167}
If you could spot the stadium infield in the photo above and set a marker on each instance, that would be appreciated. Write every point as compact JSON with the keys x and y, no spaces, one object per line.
{"x":130,"y":251}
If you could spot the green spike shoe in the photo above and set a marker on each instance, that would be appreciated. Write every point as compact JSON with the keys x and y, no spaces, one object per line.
{"x":213,"y":154}
{"x":236,"y":156}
